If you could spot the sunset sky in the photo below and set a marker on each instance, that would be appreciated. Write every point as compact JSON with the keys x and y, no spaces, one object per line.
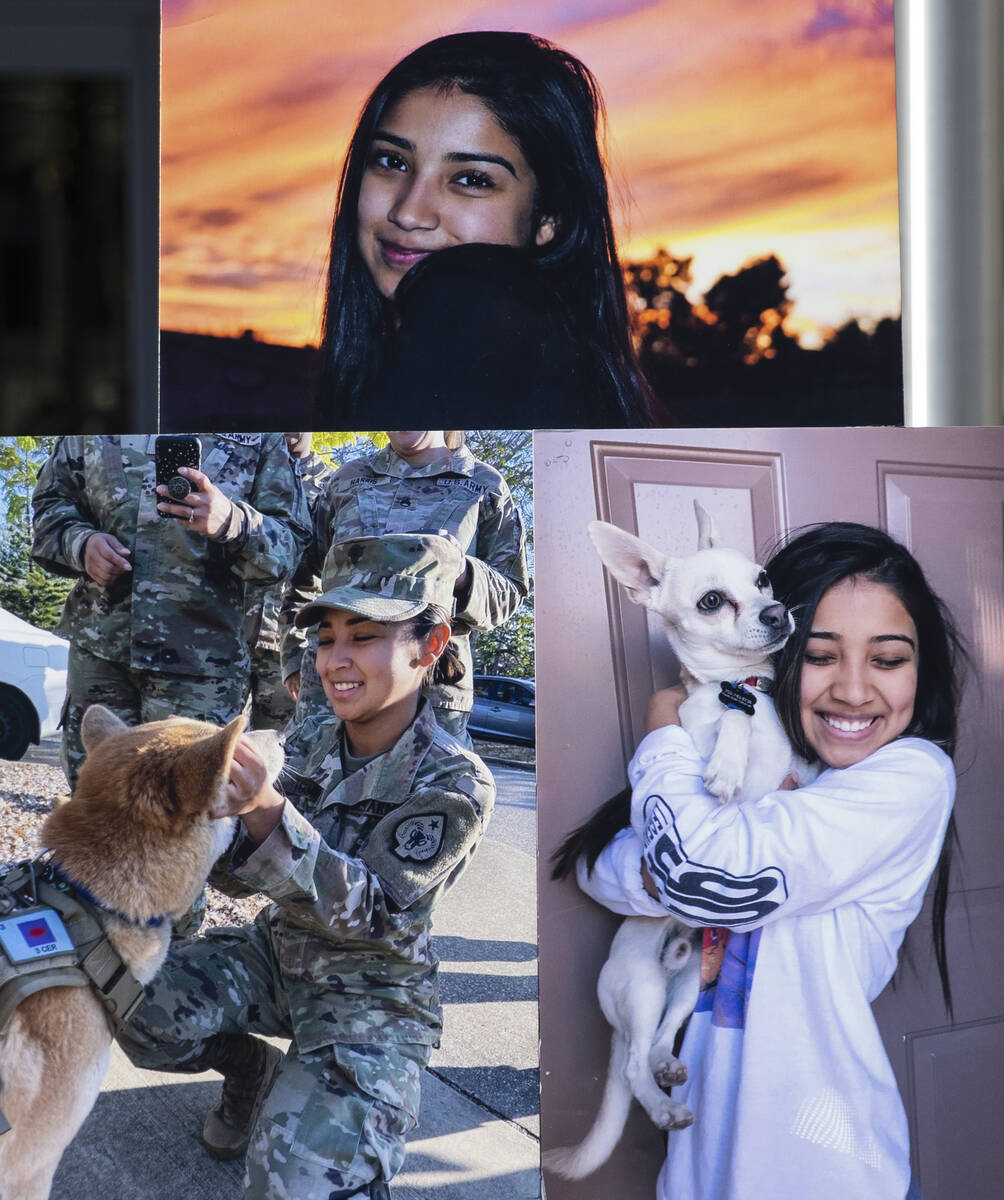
{"x":736,"y":128}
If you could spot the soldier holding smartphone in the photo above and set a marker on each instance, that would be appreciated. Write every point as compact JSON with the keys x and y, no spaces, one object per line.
{"x":156,"y":618}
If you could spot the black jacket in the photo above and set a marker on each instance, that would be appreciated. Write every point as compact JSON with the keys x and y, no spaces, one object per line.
{"x":484,"y":343}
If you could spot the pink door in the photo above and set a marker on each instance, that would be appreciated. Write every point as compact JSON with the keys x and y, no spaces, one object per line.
{"x":941,"y":492}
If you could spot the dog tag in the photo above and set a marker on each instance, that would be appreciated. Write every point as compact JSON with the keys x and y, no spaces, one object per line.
{"x":734,"y":695}
{"x":35,"y":933}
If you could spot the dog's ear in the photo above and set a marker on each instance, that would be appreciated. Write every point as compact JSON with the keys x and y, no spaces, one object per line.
{"x":200,"y":767}
{"x":97,"y":724}
{"x":707,"y":531}
{"x":632,"y":562}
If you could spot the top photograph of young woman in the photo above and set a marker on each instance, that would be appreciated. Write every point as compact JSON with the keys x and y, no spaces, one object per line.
{"x":472,"y":259}
{"x":530,"y":228}
{"x":473,"y":270}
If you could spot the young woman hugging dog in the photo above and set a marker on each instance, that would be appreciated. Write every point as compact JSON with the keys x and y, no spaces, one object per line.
{"x":792,"y":1091}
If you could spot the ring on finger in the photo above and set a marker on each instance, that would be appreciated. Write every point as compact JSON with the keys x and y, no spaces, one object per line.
{"x":191,"y":514}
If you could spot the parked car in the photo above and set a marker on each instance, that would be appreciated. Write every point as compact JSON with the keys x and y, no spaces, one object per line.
{"x":32,"y":683}
{"x":503,"y":709}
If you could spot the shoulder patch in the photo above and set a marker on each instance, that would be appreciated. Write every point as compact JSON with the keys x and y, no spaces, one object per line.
{"x":422,"y":842}
{"x":419,"y":837}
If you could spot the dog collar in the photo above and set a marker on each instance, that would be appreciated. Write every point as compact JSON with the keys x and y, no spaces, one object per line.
{"x":57,"y":874}
{"x":761,"y":683}
{"x":740,"y":694}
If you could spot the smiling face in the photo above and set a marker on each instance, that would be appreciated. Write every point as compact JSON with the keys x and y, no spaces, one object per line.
{"x":371,"y":677}
{"x":441,"y":171}
{"x":859,"y":675}
{"x":372,"y":674}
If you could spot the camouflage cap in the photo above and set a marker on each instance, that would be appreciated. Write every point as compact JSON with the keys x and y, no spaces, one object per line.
{"x":388,"y":578}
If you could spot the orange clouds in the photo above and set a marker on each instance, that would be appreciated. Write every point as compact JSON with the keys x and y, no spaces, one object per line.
{"x":734,"y":131}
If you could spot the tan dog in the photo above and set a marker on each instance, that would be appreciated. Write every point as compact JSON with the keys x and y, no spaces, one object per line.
{"x":139,"y":834}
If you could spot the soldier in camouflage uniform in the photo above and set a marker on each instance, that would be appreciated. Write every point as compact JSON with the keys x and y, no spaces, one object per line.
{"x":418,"y":483}
{"x":271,"y":703}
{"x":156,"y":619}
{"x":382,"y":815}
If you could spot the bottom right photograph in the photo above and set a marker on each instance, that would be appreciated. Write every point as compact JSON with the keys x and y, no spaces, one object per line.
{"x":770,"y":740}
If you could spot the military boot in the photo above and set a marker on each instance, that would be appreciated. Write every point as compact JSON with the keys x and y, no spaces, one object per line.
{"x":249,"y":1066}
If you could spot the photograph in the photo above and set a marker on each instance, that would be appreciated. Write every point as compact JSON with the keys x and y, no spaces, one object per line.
{"x":300,"y":666}
{"x":350,"y":848}
{"x":692,"y":210}
{"x":831,"y":603}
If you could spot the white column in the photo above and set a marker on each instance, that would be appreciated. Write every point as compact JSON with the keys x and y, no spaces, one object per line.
{"x":951,"y":203}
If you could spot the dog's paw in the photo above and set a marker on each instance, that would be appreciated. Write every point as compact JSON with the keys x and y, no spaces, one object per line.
{"x":669,"y":1073}
{"x":722,"y":781}
{"x":672,"y":1116}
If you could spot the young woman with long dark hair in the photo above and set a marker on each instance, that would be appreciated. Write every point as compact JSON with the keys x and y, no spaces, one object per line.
{"x":790,"y":1084}
{"x":473,"y":266}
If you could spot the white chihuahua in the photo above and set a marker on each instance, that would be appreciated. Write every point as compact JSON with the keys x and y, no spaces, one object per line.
{"x":723,"y":623}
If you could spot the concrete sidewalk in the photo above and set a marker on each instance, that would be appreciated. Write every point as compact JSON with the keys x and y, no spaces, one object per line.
{"x":478,"y":1134}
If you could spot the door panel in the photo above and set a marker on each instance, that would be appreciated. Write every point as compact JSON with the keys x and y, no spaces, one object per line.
{"x":652,"y":493}
{"x":939,"y":491}
{"x":948,"y":1068}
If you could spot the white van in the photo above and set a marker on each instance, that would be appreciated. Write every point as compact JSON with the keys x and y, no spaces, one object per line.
{"x":32,"y":683}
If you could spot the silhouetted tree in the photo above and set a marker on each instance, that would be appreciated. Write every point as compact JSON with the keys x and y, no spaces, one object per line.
{"x":727,"y":357}
{"x":746,"y":309}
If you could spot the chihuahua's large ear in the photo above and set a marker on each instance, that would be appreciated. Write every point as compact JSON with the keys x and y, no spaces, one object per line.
{"x":707,"y":531}
{"x":632,"y":562}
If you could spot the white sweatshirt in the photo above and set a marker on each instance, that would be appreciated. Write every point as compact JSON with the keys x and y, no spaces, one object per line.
{"x":792,"y":1090}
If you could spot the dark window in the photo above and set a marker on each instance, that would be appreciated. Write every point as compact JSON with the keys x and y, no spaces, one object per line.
{"x":63,"y":279}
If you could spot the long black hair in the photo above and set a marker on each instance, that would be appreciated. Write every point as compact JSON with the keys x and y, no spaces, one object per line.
{"x":801,"y":572}
{"x":549,"y":103}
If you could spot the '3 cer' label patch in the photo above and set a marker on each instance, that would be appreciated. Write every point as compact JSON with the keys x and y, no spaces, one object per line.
{"x":420,"y":837}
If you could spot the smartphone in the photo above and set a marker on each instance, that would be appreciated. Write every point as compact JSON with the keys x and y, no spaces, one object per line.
{"x":171,"y":451}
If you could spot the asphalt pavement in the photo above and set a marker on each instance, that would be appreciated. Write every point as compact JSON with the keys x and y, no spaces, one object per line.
{"x":478,"y":1135}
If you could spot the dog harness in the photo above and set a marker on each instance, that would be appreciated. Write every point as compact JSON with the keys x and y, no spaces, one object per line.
{"x":51,"y":936}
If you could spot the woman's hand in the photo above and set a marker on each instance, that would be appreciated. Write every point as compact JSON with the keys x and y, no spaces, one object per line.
{"x":250,"y":794}
{"x":206,"y":508}
{"x":104,"y":558}
{"x":664,"y":708}
{"x":292,"y":683}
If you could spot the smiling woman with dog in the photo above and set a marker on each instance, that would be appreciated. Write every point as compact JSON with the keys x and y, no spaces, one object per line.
{"x":807,"y":893}
{"x":473,"y":264}
{"x":371,"y":824}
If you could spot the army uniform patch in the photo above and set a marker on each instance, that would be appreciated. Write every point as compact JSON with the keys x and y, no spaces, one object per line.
{"x":416,"y":847}
{"x":420,"y":837}
{"x":242,"y":439}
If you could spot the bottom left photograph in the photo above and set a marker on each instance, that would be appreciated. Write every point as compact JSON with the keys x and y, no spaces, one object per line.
{"x":268,"y":817}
